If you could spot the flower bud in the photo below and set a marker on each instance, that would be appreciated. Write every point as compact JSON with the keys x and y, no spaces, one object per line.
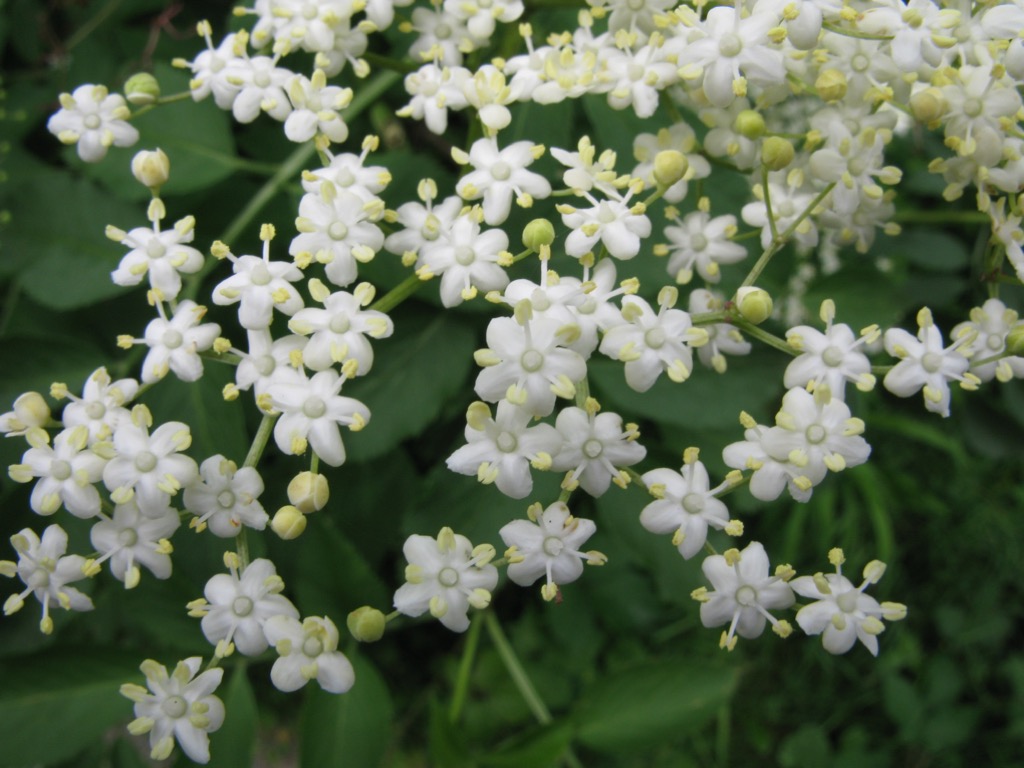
{"x":141,"y":89}
{"x":776,"y":153}
{"x":928,"y":105}
{"x":670,"y":166}
{"x":754,"y":304}
{"x":749,"y":124}
{"x":309,"y":492}
{"x":288,"y":523}
{"x":831,"y":85}
{"x":366,"y":624}
{"x":151,"y":169}
{"x":1015,"y":340}
{"x":30,"y":410}
{"x":537,"y":233}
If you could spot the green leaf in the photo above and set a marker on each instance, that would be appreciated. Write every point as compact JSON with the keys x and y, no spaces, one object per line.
{"x":447,"y":743}
{"x":536,"y":748}
{"x":439,"y":352}
{"x":126,"y":755}
{"x":60,"y":223}
{"x":807,"y":748}
{"x":233,"y":745}
{"x":350,"y":729}
{"x":77,"y":689}
{"x":652,"y":702}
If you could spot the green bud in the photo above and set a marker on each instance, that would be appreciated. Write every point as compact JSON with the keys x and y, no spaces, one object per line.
{"x":142,"y":89}
{"x":831,"y":85}
{"x":1015,"y":340}
{"x":928,"y":105}
{"x":309,"y":492}
{"x":537,"y":233}
{"x":776,"y":153}
{"x":288,"y":523}
{"x":754,"y":304}
{"x":670,"y":166}
{"x":366,"y":624}
{"x":749,"y":124}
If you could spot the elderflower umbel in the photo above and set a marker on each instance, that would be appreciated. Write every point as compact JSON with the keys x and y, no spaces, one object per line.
{"x":93,"y":119}
{"x":548,"y":545}
{"x":842,"y":613}
{"x":180,"y":706}
{"x":446,"y":576}
{"x":307,"y":650}
{"x":744,"y":594}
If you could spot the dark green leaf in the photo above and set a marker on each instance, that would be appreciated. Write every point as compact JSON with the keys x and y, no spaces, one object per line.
{"x":537,"y":748}
{"x":233,"y":745}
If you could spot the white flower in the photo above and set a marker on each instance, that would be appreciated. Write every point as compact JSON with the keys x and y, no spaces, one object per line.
{"x":161,"y":254}
{"x":348,"y":171}
{"x":926,"y":364}
{"x":789,"y":203}
{"x":617,"y":225}
{"x":29,"y":412}
{"x":225,"y":498}
{"x":316,"y":109}
{"x":770,"y":474}
{"x":480,"y":15}
{"x":180,"y":706}
{"x":101,"y":407}
{"x":636,"y":78}
{"x":129,"y":539}
{"x":149,"y":468}
{"x":259,"y":286}
{"x":312,"y":413}
{"x":467,"y":259}
{"x":680,"y":137}
{"x":423,"y":223}
{"x":175,"y":344}
{"x":487,"y":92}
{"x":842,"y":613}
{"x":548,"y":545}
{"x":46,"y":572}
{"x":650,"y":342}
{"x":498,"y":174}
{"x":501,"y":450}
{"x":339,"y":330}
{"x":94,"y":120}
{"x":217,"y":70}
{"x":262,"y":89}
{"x":66,"y":473}
{"x":268,"y":360}
{"x":831,"y":358}
{"x":596,"y":446}
{"x":435,"y":89}
{"x":237,"y":608}
{"x":699,"y":242}
{"x":588,"y":170}
{"x":685,"y":504}
{"x":307,"y":651}
{"x":446,"y":576}
{"x":743,"y":594}
{"x":988,"y":327}
{"x":442,"y":36}
{"x":723,"y":338}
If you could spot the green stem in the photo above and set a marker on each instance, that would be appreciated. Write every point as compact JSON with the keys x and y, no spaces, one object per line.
{"x":398,"y":294}
{"x":853,"y":32}
{"x":515,"y":669}
{"x":763,"y":336}
{"x":465,"y":668}
{"x":768,"y":203}
{"x":941,"y":217}
{"x":91,"y":25}
{"x":259,"y":443}
{"x":711,"y":318}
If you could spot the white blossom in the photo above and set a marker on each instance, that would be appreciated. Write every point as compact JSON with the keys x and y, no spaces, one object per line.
{"x":129,"y":539}
{"x":93,"y":119}
{"x":225,"y":498}
{"x":307,"y":650}
{"x":596,"y":446}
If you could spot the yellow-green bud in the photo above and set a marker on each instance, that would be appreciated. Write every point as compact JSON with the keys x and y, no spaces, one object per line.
{"x":928,"y":105}
{"x":309,"y":492}
{"x":749,"y":124}
{"x":537,"y":233}
{"x":288,"y":523}
{"x":670,"y":166}
{"x":831,"y":85}
{"x":141,"y":89}
{"x":776,"y":153}
{"x":151,"y":169}
{"x":754,"y":304}
{"x":1015,"y":340}
{"x":366,"y":624}
{"x":30,"y":410}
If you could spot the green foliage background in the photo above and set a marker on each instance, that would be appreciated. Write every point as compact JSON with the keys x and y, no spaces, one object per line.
{"x":628,"y":673}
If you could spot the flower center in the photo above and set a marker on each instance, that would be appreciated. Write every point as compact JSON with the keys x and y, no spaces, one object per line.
{"x":593,"y":448}
{"x":242,"y":606}
{"x":507,"y":442}
{"x":532,"y":360}
{"x":746,"y":595}
{"x":442,"y":31}
{"x":261,"y":79}
{"x":265,"y":364}
{"x":859,"y":62}
{"x":429,"y":88}
{"x":501,"y":171}
{"x":95,"y":410}
{"x":448,"y":577}
{"x":635,"y":71}
{"x":226,"y":499}
{"x":786,"y":208}
{"x":39,"y":579}
{"x":832,"y":356}
{"x":847,"y":601}
{"x":337,"y":231}
{"x":92,"y":122}
{"x":730,"y":45}
{"x":312,"y":647}
{"x":464,"y":255}
{"x":145,"y":461}
{"x":260,"y":274}
{"x":972,"y":107}
{"x":931,"y":361}
{"x":540,"y":301}
{"x":172,"y":339}
{"x":314,"y":407}
{"x":129,"y":537}
{"x":698,"y":242}
{"x":815,"y":434}
{"x":693,"y":503}
{"x":605,"y":214}
{"x":636,"y":5}
{"x":483,"y":3}
{"x":174,"y":707}
{"x":309,"y":11}
{"x":155,"y":249}
{"x":654,"y":338}
{"x":553,"y":546}
{"x":60,"y":470}
{"x":340,"y":324}
{"x":994,"y":343}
